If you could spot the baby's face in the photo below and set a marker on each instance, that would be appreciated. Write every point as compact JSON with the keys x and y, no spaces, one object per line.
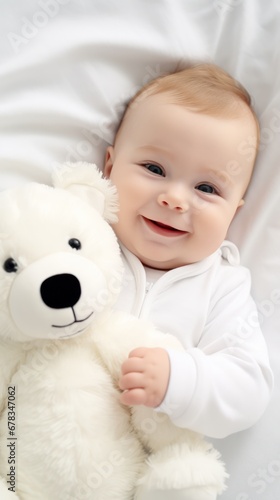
{"x":181,"y":177}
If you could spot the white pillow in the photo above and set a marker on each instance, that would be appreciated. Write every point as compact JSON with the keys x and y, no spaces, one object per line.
{"x":68,"y":68}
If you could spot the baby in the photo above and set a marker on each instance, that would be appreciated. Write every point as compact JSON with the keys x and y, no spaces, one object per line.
{"x":182,"y":160}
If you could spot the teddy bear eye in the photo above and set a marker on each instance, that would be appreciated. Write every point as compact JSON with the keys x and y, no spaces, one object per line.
{"x":75,"y":243}
{"x":10,"y":265}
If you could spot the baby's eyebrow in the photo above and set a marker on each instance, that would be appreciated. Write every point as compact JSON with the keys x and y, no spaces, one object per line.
{"x":221,"y":176}
{"x":153,"y":148}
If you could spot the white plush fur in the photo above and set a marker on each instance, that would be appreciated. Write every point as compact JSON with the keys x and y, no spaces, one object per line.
{"x":74,"y":440}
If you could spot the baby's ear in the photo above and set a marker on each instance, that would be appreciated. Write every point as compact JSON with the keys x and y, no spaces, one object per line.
{"x":240,"y":205}
{"x":86,"y":181}
{"x":109,"y":160}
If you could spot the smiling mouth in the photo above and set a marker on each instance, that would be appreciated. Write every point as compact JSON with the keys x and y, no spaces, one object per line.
{"x":83,"y":322}
{"x":163,"y":229}
{"x":75,"y":320}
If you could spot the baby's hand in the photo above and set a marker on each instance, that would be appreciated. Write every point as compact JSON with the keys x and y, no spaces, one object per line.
{"x":145,"y":377}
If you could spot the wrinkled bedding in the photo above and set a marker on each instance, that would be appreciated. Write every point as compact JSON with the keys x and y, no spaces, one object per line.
{"x":67,"y":70}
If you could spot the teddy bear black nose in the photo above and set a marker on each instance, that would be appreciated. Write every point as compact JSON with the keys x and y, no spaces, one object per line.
{"x":61,"y":291}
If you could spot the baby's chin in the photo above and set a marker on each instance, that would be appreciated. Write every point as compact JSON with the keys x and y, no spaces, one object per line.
{"x":162,"y":265}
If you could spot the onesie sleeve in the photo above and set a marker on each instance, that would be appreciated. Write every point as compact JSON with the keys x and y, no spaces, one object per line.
{"x":223,"y":384}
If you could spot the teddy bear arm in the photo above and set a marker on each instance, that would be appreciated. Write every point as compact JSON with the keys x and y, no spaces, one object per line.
{"x":119,"y":333}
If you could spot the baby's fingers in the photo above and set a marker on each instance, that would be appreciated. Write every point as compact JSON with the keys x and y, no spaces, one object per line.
{"x":134,"y":397}
{"x":132,"y":365}
{"x":139,"y":352}
{"x":132,"y":380}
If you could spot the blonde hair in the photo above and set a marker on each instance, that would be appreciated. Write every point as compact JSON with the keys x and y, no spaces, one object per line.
{"x":204,"y":88}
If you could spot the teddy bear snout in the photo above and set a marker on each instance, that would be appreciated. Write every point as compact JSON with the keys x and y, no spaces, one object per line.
{"x":61,"y":291}
{"x":56,"y":296}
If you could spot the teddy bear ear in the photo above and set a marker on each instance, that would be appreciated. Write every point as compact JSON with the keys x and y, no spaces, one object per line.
{"x":86,"y":181}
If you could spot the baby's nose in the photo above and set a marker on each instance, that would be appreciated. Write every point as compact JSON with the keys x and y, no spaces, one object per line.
{"x":174,"y":201}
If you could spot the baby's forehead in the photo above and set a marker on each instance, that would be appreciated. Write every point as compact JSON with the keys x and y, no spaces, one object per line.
{"x":161,"y":111}
{"x":146,"y":104}
{"x":156,"y":108}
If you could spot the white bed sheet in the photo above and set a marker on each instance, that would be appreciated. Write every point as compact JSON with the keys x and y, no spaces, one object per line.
{"x":67,"y":69}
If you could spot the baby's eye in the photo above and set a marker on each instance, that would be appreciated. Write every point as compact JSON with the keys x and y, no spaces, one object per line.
{"x":207,"y":188}
{"x":155,"y":169}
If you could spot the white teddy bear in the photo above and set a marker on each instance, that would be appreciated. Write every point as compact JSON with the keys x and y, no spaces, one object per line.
{"x":64,"y":434}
